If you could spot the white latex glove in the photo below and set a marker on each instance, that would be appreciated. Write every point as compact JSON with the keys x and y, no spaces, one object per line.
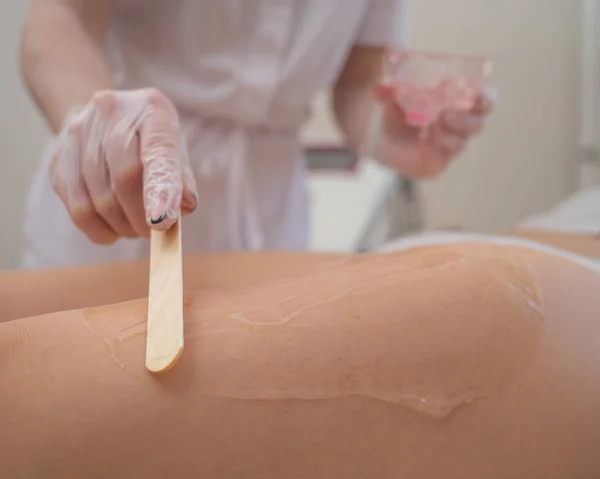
{"x":122,"y":166}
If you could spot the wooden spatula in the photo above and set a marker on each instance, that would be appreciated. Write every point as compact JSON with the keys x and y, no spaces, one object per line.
{"x":164,"y":343}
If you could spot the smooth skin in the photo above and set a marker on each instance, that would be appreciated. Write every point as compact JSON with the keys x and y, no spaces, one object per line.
{"x":99,"y":285}
{"x":71,"y":411}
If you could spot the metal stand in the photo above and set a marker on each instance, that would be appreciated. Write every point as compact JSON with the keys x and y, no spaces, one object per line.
{"x":398,"y":213}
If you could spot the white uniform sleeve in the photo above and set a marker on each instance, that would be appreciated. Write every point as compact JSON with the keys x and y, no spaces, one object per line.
{"x":385,"y":23}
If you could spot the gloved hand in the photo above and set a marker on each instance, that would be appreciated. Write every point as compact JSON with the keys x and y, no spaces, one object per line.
{"x":122,"y":166}
{"x":436,"y":144}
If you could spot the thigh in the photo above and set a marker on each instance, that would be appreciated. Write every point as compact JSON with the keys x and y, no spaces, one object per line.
{"x":30,"y":293}
{"x":585,"y":245}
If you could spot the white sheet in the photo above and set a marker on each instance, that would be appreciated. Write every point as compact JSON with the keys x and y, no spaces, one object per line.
{"x":426,"y":239}
{"x":578,"y":214}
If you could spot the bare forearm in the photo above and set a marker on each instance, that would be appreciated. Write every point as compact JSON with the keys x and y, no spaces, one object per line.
{"x":353,"y":111}
{"x":62,"y":61}
{"x":363,"y":122}
{"x":361,"y":116}
{"x":352,"y":96}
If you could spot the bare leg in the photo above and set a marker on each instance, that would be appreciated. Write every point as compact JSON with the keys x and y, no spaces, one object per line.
{"x":447,"y":362}
{"x":585,"y":245}
{"x":60,"y":290}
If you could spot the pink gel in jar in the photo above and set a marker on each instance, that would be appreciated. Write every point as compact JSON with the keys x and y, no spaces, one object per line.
{"x":428,"y":83}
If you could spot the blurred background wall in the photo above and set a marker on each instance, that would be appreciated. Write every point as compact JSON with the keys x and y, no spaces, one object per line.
{"x":525,"y":162}
{"x":22,"y":134}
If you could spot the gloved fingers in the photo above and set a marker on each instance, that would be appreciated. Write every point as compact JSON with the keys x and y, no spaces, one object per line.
{"x":447,"y":143}
{"x":189,"y":199}
{"x":89,"y":222}
{"x":162,"y":156}
{"x":462,"y":124}
{"x":438,"y":147}
{"x":108,"y":207}
{"x":469,"y":123}
{"x":95,"y":170}
{"x":69,"y":186}
{"x":127,"y":181}
{"x":448,"y":137}
{"x":485,"y":103}
{"x":109,"y":210}
{"x":122,"y":155}
{"x":385,"y":92}
{"x":434,"y":161}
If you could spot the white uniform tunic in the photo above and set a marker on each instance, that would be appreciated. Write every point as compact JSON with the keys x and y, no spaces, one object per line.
{"x":242,"y":74}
